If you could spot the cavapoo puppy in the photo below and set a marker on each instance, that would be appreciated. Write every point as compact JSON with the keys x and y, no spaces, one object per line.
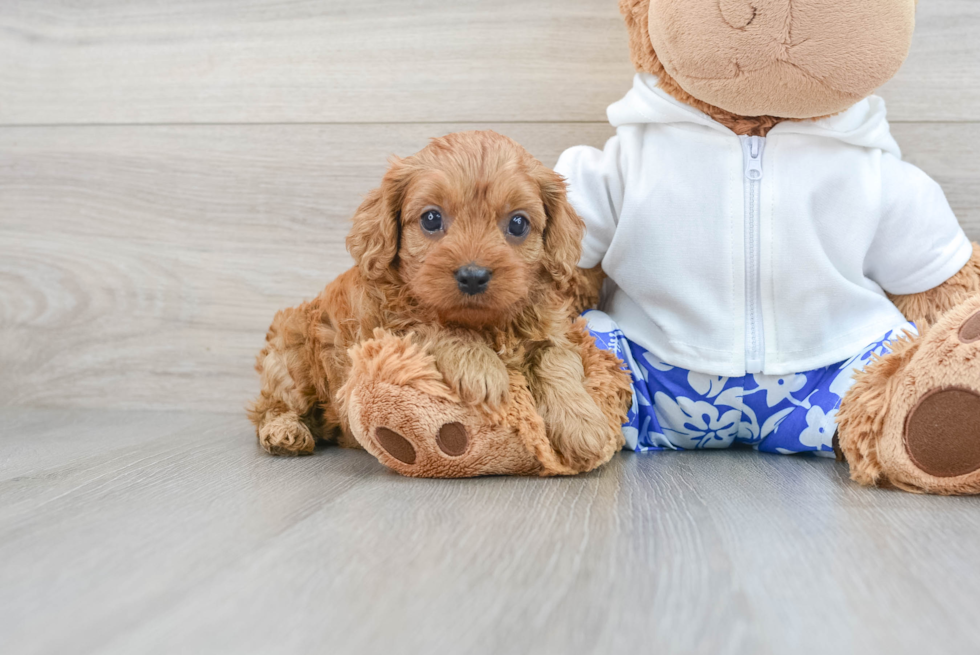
{"x":466,"y":266}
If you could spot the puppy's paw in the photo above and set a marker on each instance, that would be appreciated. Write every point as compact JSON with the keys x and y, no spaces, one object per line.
{"x":287,"y":436}
{"x":581,"y":434}
{"x":485,"y":382}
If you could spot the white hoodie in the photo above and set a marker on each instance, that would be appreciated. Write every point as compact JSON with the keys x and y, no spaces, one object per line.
{"x":735,"y":255}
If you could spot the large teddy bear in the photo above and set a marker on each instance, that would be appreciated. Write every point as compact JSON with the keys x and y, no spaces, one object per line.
{"x":781,"y":277}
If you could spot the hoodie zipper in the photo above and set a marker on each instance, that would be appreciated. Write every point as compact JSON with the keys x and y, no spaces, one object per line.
{"x":753,"y":148}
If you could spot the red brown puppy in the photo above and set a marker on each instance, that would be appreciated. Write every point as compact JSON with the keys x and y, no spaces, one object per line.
{"x":448,"y":350}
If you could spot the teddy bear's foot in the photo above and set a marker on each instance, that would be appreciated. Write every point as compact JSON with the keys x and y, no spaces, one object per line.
{"x":928,"y":418}
{"x":400,"y":410}
{"x":422,"y":436}
{"x":941,"y":429}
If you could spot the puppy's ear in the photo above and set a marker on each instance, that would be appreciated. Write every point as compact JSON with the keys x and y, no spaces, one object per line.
{"x":373,"y":240}
{"x":564,"y":230}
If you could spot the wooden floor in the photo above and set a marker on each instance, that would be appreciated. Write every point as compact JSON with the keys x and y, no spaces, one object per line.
{"x":143,"y":532}
{"x":172,"y":173}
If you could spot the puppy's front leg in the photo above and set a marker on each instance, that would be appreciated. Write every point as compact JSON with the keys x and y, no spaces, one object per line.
{"x":470,"y":367}
{"x":288,"y":389}
{"x":575,"y":424}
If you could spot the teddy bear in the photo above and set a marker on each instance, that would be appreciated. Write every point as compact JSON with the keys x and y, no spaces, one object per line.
{"x":778,"y":276}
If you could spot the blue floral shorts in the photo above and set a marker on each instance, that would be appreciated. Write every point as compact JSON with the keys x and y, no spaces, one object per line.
{"x":679,"y":409}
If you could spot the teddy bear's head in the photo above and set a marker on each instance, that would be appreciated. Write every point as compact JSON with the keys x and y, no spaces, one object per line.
{"x":769,"y":60}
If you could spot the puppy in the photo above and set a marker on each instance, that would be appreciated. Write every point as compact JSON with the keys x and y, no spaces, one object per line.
{"x":470,"y":248}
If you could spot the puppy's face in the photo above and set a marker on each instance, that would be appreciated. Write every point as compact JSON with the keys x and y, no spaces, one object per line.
{"x":481,"y":227}
{"x":473,"y":240}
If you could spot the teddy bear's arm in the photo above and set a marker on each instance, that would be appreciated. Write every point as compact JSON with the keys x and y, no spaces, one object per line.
{"x":926,"y":308}
{"x":596,"y":190}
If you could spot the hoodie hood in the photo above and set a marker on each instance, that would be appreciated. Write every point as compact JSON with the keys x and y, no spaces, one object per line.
{"x":863,"y":125}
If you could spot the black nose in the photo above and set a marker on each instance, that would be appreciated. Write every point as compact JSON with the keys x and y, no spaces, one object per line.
{"x":473,"y":279}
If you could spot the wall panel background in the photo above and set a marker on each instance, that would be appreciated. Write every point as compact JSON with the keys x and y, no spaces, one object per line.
{"x":172,"y":173}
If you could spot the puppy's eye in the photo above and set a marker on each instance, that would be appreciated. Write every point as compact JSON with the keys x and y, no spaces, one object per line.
{"x":431,"y":220}
{"x":518,"y":226}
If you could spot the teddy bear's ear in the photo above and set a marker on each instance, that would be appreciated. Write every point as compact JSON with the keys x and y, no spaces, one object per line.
{"x":564,"y":230}
{"x":637,"y":16}
{"x":373,"y":240}
{"x":632,"y":7}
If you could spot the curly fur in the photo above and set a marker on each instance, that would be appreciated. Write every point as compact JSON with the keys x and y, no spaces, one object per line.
{"x":399,"y":318}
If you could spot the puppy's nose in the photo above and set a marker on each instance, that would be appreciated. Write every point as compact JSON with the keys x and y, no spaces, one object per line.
{"x":473,"y":279}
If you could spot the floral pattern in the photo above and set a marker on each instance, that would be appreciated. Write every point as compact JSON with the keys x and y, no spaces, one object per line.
{"x":678,"y":409}
{"x":695,"y":423}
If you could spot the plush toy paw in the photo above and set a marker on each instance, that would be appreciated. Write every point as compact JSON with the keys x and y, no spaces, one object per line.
{"x":286,"y":435}
{"x":401,"y":410}
{"x":929,"y":418}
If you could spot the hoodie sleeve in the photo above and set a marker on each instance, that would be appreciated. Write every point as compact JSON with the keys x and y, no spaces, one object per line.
{"x":919,"y":243}
{"x":595,"y":189}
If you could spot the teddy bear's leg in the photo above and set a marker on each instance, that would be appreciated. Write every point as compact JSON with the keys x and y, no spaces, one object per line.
{"x":400,"y":408}
{"x":912,"y":419}
{"x":402,"y":411}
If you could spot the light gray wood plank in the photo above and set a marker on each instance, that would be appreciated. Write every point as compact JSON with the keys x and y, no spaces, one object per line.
{"x":132,"y":527}
{"x":949,"y":153}
{"x":940,"y":80}
{"x":318,"y":61}
{"x":33,"y":441}
{"x":195,"y":541}
{"x":141,"y":266}
{"x":383,"y":61}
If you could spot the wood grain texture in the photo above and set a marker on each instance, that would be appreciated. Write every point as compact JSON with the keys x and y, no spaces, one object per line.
{"x":940,"y":80}
{"x":163,"y":533}
{"x":193,"y":168}
{"x":318,"y":61}
{"x":141,"y":266}
{"x":126,"y":61}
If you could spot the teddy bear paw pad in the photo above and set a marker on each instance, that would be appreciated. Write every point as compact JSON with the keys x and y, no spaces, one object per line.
{"x":396,"y":445}
{"x":452,"y":439}
{"x":970,"y":330}
{"x":942,"y":433}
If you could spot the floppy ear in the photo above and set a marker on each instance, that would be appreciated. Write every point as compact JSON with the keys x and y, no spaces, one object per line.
{"x":373,"y":240}
{"x":564,"y":230}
